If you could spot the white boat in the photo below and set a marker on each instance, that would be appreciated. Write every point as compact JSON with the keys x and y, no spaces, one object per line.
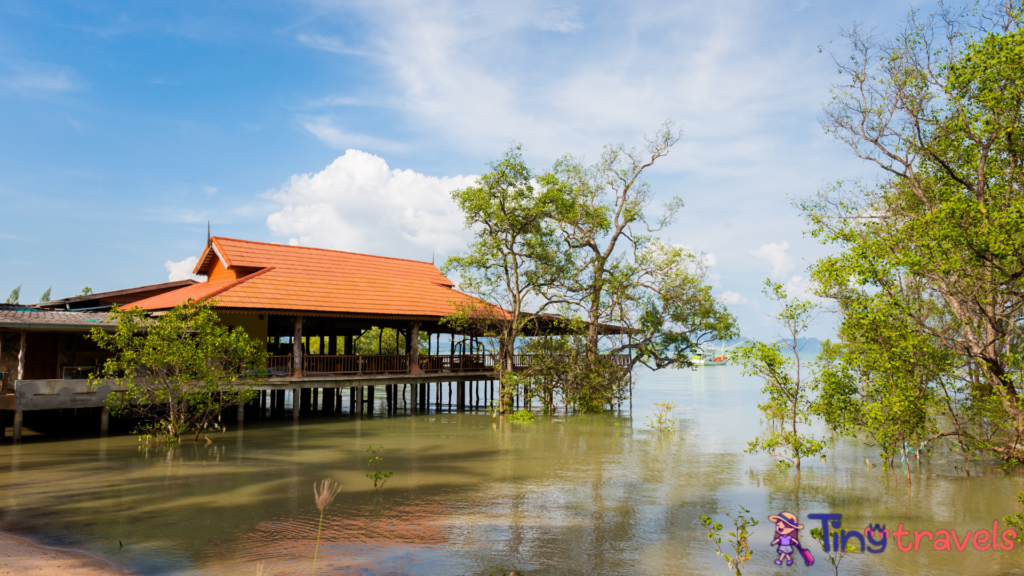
{"x":710,"y":357}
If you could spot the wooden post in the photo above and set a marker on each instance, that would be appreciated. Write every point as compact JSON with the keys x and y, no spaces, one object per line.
{"x":351,"y":401}
{"x":21,"y":358}
{"x":297,"y":349}
{"x":18,"y":418}
{"x":328,"y":400}
{"x":358,"y":409}
{"x":413,"y":405}
{"x":316,"y":401}
{"x":295,"y":404}
{"x":460,"y":399}
{"x":369,"y":401}
{"x":241,"y":411}
{"x":412,"y":347}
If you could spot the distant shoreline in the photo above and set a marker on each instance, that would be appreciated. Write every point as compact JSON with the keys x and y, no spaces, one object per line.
{"x":19,"y":555}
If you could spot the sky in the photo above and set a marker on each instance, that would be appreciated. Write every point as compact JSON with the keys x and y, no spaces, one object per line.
{"x":127,"y":126}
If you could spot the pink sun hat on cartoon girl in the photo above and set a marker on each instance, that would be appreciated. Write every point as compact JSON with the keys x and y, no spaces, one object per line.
{"x":788,"y":519}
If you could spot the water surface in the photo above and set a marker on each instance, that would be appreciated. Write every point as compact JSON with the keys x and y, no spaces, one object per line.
{"x":592,"y":494}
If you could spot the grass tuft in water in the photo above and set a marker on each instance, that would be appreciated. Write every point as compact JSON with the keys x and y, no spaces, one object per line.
{"x":323,"y":495}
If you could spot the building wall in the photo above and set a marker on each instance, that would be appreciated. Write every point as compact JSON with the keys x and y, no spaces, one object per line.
{"x":251,"y":323}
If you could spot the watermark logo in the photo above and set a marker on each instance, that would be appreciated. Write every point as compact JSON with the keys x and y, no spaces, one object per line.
{"x":875,"y":537}
{"x":787,"y":539}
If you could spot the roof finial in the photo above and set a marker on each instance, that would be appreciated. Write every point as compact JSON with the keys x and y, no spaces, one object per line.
{"x":207,"y":232}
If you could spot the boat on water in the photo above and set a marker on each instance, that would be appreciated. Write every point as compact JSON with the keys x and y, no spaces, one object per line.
{"x":709,"y":356}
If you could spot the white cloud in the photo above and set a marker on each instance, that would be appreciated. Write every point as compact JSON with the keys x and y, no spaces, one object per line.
{"x":330,"y":44}
{"x":802,"y":287}
{"x":359,"y":204}
{"x":210,"y":189}
{"x":181,"y":270}
{"x":733,"y":298}
{"x":708,"y":260}
{"x":776,"y":255}
{"x":324,"y":129}
{"x":565,"y":20}
{"x":40,"y":80}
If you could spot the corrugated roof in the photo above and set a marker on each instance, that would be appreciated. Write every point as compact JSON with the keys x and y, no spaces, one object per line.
{"x":23,"y":318}
{"x":298,"y":278}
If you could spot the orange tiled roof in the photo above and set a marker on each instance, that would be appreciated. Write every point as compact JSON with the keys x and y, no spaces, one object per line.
{"x":297,"y":278}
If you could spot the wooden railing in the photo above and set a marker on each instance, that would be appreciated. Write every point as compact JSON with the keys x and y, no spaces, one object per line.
{"x":321,"y":365}
{"x":456,"y":363}
{"x":316,"y":364}
{"x":278,"y":366}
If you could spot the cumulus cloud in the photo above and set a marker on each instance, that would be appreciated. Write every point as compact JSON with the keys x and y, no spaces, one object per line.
{"x":778,"y":256}
{"x":181,"y":270}
{"x":359,"y":204}
{"x":730,"y":297}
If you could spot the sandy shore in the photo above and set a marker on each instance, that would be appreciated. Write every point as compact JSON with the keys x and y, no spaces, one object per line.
{"x":21,"y":556}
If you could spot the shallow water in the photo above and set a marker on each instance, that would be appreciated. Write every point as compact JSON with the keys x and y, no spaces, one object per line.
{"x":595,"y":494}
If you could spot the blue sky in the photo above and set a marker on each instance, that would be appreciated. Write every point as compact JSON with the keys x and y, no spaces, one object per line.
{"x":126,"y":126}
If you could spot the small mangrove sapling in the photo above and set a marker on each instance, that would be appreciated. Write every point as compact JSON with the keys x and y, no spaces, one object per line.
{"x":662,"y":421}
{"x":379,"y":477}
{"x":739,"y":538}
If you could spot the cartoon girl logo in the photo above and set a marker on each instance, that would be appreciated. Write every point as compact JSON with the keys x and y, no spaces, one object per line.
{"x":787,"y":538}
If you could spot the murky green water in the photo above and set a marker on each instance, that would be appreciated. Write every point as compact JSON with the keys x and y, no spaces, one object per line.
{"x":577,"y":495}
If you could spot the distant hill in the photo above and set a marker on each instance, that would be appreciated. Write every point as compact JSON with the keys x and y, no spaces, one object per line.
{"x":805,"y":345}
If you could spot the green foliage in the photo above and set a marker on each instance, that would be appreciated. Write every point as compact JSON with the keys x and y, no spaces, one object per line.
{"x":738,"y":539}
{"x":834,"y":556}
{"x":522,"y":416}
{"x":788,"y":407}
{"x":571,"y":240}
{"x":46,"y":295}
{"x":378,"y":341}
{"x":925,"y":268}
{"x":662,"y":420}
{"x":86,"y":291}
{"x":620,"y":272}
{"x":15,"y":296}
{"x":180,"y":370}
{"x":562,"y":365}
{"x":1017,"y":519}
{"x":378,"y":476}
{"x":511,"y":259}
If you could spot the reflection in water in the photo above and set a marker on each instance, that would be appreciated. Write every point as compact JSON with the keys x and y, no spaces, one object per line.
{"x":591,"y":494}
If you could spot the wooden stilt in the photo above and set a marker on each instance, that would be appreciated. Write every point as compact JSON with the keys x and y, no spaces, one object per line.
{"x":241,"y":412}
{"x":19,"y":416}
{"x":358,"y":408}
{"x":104,"y":421}
{"x":296,"y":404}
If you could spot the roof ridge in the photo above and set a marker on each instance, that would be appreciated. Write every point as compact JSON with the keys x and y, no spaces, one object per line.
{"x":323,"y":250}
{"x":233,"y":283}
